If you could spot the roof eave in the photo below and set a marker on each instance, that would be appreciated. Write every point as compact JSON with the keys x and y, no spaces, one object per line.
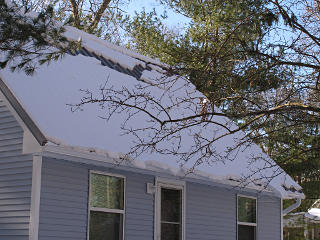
{"x":70,"y":153}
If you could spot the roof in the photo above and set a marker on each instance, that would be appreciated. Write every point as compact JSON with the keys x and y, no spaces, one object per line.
{"x":43,"y":102}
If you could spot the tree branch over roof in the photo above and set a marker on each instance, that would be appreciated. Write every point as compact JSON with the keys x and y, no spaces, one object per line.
{"x":99,"y":13}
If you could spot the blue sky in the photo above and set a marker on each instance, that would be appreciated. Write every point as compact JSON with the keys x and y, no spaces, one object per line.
{"x":174,"y":19}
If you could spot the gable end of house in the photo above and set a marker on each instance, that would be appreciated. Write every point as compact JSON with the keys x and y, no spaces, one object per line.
{"x":15,"y":177}
{"x":22,"y":116}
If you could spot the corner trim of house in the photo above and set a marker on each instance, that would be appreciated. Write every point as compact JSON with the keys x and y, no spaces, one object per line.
{"x":35,"y":197}
{"x":281,"y":220}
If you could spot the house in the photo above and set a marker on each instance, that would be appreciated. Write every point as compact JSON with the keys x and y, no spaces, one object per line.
{"x":63,"y":174}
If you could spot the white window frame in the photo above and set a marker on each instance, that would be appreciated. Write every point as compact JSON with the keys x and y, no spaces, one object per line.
{"x":170,"y":184}
{"x":107,"y":210}
{"x":246,"y":223}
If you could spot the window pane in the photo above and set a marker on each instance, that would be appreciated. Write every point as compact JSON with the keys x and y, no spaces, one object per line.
{"x":246,"y":210}
{"x":170,"y":231}
{"x":105,"y":226}
{"x":246,"y":232}
{"x":170,"y":205}
{"x":106,"y":191}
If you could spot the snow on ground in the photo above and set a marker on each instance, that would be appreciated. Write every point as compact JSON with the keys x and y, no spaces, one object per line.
{"x":314,"y":214}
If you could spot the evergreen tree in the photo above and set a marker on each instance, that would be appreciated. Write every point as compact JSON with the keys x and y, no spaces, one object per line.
{"x":28,"y":39}
{"x":210,"y":51}
{"x":103,"y":18}
{"x":255,"y":60}
{"x":32,"y":31}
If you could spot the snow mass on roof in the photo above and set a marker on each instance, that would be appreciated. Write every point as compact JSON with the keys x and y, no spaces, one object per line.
{"x":46,"y":96}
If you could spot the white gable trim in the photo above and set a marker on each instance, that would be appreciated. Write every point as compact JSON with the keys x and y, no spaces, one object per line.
{"x":13,"y":111}
{"x":281,"y":219}
{"x":30,"y":143}
{"x":35,"y":198}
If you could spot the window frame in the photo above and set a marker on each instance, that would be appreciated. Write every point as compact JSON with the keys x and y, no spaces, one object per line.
{"x":169,"y":184}
{"x":107,"y":210}
{"x":247,"y":223}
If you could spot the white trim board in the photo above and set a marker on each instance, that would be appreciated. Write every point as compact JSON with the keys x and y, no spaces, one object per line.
{"x":281,"y":219}
{"x":35,"y":198}
{"x":173,"y":184}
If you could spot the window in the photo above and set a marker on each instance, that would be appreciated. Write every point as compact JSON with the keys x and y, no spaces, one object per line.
{"x":247,"y":218}
{"x":170,"y":212}
{"x":106,"y":207}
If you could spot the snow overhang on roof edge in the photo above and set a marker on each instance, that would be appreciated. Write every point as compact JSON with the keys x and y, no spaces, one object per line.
{"x":118,"y":160}
{"x":55,"y":146}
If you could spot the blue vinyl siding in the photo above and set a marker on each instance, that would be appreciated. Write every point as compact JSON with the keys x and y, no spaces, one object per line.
{"x":139,"y":207}
{"x":15,"y":179}
{"x":210,"y":210}
{"x":210,"y":213}
{"x":269,"y":218}
{"x":64,"y":202}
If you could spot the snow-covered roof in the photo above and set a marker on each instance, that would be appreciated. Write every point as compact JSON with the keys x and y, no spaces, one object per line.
{"x":46,"y":96}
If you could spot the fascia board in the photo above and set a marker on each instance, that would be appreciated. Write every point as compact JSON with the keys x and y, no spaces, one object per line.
{"x":72,"y":155}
